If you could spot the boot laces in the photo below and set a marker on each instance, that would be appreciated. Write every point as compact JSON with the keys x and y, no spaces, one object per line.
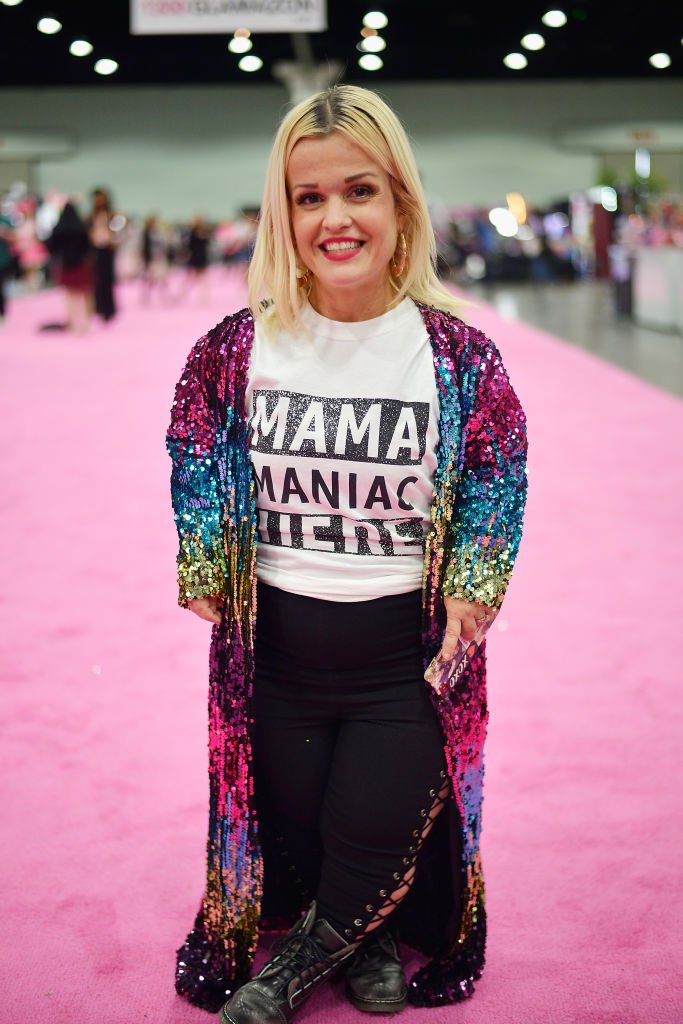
{"x":296,"y":955}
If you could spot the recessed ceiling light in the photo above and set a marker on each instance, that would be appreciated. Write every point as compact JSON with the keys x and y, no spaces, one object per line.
{"x":515,"y":61}
{"x":106,"y":66}
{"x":80,"y":48}
{"x":11,"y":3}
{"x":375,"y":19}
{"x":660,"y":60}
{"x":371,"y":62}
{"x":240,"y":44}
{"x":250,"y":63}
{"x":373,"y":44}
{"x":554,"y":19}
{"x":532,"y":41}
{"x":48,"y":26}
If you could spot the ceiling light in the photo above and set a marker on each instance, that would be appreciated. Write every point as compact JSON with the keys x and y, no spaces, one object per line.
{"x":370,"y":62}
{"x":373,"y":44}
{"x":11,"y":3}
{"x":515,"y":61}
{"x":532,"y":41}
{"x":49,"y":26}
{"x":250,"y":63}
{"x":365,"y":32}
{"x":80,"y":48}
{"x":375,"y":19}
{"x":554,"y":19}
{"x":240,"y":44}
{"x":105,"y":66}
{"x":660,"y":60}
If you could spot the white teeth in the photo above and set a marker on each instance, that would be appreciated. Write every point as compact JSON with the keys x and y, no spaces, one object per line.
{"x":341,"y":246}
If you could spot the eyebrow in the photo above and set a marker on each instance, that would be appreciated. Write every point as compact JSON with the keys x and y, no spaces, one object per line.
{"x":352,"y":177}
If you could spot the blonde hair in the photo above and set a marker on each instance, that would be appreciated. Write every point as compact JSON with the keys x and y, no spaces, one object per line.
{"x":365,"y":119}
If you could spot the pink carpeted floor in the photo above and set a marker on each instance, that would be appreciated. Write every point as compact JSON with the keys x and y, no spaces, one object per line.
{"x":103,"y":689}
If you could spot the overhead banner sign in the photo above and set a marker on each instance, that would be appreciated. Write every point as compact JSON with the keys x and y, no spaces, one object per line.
{"x":199,"y":17}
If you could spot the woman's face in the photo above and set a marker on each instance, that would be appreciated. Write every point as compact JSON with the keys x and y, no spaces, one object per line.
{"x":345,"y":225}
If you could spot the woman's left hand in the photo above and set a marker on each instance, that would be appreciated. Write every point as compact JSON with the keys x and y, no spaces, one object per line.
{"x":463,"y":619}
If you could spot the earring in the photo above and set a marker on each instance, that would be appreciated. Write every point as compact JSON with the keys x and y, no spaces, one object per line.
{"x":398,"y":264}
{"x":303,"y":276}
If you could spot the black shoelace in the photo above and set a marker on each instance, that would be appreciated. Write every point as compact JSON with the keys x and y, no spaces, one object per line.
{"x":295,"y":955}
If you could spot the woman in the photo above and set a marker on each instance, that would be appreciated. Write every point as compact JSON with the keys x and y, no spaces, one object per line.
{"x":153,"y":256}
{"x":197,"y":260}
{"x":104,"y":241}
{"x":69,"y":245}
{"x":348,"y":485}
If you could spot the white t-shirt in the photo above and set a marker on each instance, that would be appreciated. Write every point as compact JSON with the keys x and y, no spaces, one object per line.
{"x":344,"y":427}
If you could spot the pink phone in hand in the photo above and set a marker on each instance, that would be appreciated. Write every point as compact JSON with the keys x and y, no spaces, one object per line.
{"x":444,"y":675}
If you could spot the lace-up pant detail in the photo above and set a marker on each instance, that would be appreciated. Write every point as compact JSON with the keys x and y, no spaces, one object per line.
{"x":348,"y":752}
{"x":389,"y":899}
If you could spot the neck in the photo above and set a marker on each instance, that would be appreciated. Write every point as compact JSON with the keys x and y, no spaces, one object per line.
{"x":351,"y":305}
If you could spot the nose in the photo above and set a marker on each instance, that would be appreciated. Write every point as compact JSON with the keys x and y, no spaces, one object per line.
{"x":336,"y":214}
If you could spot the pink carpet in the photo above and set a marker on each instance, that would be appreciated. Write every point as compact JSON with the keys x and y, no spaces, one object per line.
{"x":104,"y":679}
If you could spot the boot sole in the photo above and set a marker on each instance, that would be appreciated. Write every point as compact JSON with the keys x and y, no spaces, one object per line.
{"x":225,"y":1019}
{"x":377,"y":1005}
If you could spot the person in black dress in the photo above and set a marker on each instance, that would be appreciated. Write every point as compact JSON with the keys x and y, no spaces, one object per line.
{"x":103,"y":241}
{"x":69,"y":246}
{"x":198,"y":240}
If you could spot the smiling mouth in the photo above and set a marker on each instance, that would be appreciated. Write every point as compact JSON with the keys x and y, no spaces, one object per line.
{"x":341,"y":246}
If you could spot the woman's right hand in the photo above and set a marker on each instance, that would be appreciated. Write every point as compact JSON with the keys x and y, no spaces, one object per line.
{"x":209,"y":608}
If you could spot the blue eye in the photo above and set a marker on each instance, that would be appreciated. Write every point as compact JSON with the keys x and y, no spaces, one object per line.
{"x":307,"y":198}
{"x":362,"y":191}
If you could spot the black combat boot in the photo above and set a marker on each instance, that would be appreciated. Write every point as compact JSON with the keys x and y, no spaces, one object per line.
{"x":374,"y":981}
{"x":309,"y":954}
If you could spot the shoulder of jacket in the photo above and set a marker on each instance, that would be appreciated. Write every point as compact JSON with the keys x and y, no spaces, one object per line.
{"x":441,"y":323}
{"x":239,"y":324}
{"x":229,"y":332}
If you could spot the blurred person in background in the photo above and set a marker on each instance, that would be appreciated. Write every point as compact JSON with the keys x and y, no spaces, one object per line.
{"x":153,"y":257}
{"x":31,"y":251}
{"x":70,"y":248}
{"x":103,"y":240}
{"x":197,"y":256}
{"x":236,"y":238}
{"x":339,"y":542}
{"x":6,"y":259}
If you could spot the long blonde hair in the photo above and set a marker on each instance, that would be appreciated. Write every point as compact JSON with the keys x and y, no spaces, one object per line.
{"x":366,"y":120}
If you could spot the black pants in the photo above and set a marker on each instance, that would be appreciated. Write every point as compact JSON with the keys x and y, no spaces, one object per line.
{"x":348,"y":750}
{"x":105,"y":303}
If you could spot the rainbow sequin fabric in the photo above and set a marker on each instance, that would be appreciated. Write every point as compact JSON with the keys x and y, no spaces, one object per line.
{"x":476,"y":524}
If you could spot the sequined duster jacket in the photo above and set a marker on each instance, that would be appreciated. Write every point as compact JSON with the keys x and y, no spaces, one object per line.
{"x":470,"y":549}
